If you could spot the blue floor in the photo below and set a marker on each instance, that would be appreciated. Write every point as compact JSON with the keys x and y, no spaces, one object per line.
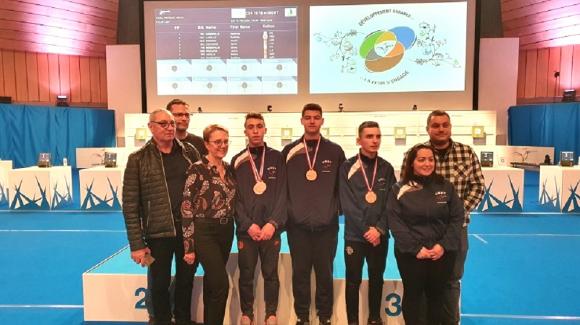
{"x":522,"y":269}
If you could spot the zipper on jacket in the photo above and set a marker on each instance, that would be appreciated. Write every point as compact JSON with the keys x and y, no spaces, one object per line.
{"x":148,"y":215}
{"x":167,"y":191}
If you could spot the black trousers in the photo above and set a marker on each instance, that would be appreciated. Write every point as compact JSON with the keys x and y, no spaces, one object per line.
{"x":163,"y":250}
{"x":424,"y":283}
{"x":453,"y":288}
{"x":355,"y":254}
{"x":213,"y":243}
{"x":149,"y":300}
{"x":312,"y":249}
{"x":248,"y":252}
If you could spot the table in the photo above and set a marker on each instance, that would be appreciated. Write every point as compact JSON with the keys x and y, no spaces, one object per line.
{"x":101,"y":188}
{"x":35,"y":188}
{"x":92,"y":157}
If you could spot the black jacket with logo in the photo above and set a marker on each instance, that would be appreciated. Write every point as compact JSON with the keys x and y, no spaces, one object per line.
{"x":359,"y":215}
{"x":422,"y":215}
{"x":270,"y":206}
{"x":313,"y":205}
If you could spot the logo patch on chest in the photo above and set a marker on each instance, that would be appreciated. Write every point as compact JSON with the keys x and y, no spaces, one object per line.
{"x":271,"y":172}
{"x":326,"y":166}
{"x":441,"y":197}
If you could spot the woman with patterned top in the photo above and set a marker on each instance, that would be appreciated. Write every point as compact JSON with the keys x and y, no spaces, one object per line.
{"x":425,"y":216}
{"x":208,"y":227}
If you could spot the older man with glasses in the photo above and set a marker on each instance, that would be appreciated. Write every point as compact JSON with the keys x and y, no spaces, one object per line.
{"x":180,"y":111}
{"x":152,"y":194}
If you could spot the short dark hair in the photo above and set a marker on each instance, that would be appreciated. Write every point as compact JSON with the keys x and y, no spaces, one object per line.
{"x":176,"y":101}
{"x":366,"y":125}
{"x":437,"y":112}
{"x":408,"y":174}
{"x":312,"y":107}
{"x":255,"y":115}
{"x":211,"y":129}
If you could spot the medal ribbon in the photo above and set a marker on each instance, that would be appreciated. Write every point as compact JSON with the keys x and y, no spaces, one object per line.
{"x":313,"y":161}
{"x":257,"y":176}
{"x":362,"y":167}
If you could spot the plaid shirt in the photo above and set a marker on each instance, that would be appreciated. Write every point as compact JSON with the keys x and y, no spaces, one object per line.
{"x":461,"y":167}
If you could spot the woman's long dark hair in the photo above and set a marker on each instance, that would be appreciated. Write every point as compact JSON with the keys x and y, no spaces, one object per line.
{"x":408,"y":172}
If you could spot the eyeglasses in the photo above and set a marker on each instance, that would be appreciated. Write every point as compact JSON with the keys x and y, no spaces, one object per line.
{"x":164,"y":124}
{"x":181,"y":114}
{"x":219,"y":143}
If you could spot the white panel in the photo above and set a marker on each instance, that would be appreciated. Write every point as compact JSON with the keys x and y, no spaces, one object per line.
{"x":505,"y":155}
{"x":504,"y":190}
{"x":91,"y":157}
{"x":557,"y":185}
{"x":338,"y":127}
{"x":123,"y":83}
{"x":34,"y":188}
{"x":101,"y":188}
{"x":498,"y":79}
{"x":5,"y":167}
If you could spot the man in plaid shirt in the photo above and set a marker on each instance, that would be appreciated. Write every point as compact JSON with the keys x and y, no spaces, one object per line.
{"x":458,"y":163}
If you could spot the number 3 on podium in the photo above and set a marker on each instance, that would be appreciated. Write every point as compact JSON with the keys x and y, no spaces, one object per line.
{"x":393,"y":308}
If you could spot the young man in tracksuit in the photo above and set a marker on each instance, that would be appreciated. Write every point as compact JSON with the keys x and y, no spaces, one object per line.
{"x":365,"y":181}
{"x":312,"y":164}
{"x":260,"y":216}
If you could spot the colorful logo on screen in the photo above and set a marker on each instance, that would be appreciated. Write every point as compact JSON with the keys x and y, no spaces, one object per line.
{"x":383,"y":50}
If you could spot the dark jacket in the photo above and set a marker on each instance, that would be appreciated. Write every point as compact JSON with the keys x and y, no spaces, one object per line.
{"x":270,"y":206}
{"x":313,"y":205}
{"x":146,"y":204}
{"x":425,"y":215}
{"x":358,"y":214}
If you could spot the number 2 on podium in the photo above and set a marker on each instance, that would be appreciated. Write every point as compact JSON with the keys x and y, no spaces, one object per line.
{"x":140,"y":304}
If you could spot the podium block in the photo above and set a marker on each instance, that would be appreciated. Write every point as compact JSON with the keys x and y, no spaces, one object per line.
{"x":115,"y":289}
{"x":101,"y":188}
{"x":35,"y":188}
{"x":504,"y":190}
{"x":559,"y":188}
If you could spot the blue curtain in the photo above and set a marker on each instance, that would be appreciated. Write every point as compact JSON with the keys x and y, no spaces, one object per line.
{"x":26,"y":131}
{"x":548,"y":125}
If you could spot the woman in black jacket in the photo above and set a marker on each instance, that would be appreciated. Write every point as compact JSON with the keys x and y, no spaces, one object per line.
{"x":425,"y":216}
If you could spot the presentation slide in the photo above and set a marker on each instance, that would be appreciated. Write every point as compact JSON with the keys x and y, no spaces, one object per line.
{"x":226,"y":51}
{"x":379,"y":48}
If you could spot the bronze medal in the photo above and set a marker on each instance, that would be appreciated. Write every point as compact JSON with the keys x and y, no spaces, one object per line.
{"x":260,"y":188}
{"x":371,"y":197}
{"x":311,"y":175}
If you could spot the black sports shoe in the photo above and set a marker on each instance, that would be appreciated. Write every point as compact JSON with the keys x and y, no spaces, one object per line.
{"x":375,"y":322}
{"x":302,"y":322}
{"x":324,"y":321}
